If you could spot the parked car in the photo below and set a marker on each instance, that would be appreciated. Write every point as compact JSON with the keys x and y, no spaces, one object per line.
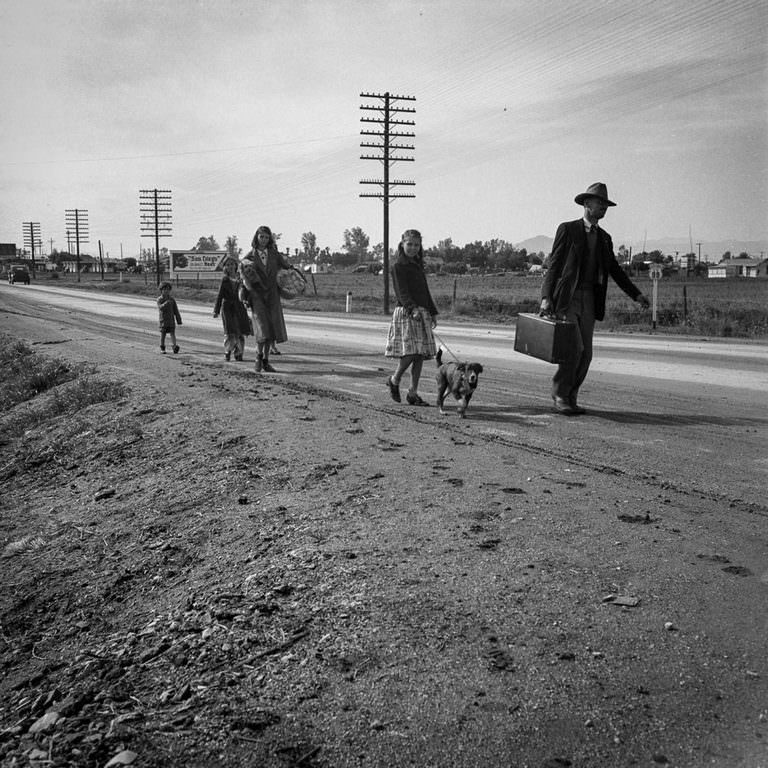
{"x":18,"y":274}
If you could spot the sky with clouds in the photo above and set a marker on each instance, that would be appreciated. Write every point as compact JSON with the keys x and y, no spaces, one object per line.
{"x":249,"y":112}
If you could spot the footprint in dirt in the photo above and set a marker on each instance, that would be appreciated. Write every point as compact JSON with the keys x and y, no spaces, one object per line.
{"x":642,"y":519}
{"x":737,"y":570}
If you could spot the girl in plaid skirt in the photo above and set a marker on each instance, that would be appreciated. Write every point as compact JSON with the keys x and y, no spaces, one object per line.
{"x":410,"y":333}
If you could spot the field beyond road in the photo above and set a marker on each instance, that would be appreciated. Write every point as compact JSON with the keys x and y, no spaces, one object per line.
{"x":728,"y":308}
{"x":206,"y":567}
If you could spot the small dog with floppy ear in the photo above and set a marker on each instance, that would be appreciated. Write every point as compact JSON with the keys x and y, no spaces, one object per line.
{"x":460,"y":379}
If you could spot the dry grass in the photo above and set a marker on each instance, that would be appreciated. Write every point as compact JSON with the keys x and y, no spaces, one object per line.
{"x":26,"y":376}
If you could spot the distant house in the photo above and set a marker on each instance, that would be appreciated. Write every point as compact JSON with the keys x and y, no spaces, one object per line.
{"x":69,"y":263}
{"x":739,"y":268}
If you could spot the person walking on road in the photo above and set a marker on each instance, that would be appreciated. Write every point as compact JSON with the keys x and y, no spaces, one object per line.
{"x":234,"y":315}
{"x":169,"y":316}
{"x":258,"y":270}
{"x":410,"y":333}
{"x":575,"y":287}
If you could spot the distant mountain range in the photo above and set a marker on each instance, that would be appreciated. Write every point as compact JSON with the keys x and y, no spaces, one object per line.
{"x":711,"y":250}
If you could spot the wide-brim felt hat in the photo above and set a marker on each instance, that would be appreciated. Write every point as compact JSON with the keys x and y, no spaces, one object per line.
{"x":598,"y":189}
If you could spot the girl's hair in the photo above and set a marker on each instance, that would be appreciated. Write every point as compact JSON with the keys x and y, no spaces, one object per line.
{"x":410,"y":234}
{"x":263,"y":230}
{"x":165,"y":284}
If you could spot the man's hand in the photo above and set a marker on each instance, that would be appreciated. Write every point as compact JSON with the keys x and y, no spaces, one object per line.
{"x":545,"y":307}
{"x":642,"y":301}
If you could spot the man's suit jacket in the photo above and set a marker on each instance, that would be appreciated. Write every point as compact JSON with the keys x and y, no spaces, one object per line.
{"x":570,"y":252}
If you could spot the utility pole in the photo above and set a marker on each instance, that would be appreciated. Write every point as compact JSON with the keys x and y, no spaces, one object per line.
{"x":387,"y":152}
{"x":77,"y":219}
{"x":32,"y":238}
{"x":699,"y":247}
{"x":155,"y":216}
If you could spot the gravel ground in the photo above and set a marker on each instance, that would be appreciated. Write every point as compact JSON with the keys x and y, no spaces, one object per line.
{"x":225,"y":569}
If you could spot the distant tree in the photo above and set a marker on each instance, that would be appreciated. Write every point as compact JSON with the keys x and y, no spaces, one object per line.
{"x":378,"y":251}
{"x":231,"y":247}
{"x":476,"y":254}
{"x":343,"y":260}
{"x":700,"y":269}
{"x":324,"y":256}
{"x":309,"y":246}
{"x":356,"y":243}
{"x":743,"y":255}
{"x":130,"y":262}
{"x":726,"y":256}
{"x":206,"y":244}
{"x":656,"y":256}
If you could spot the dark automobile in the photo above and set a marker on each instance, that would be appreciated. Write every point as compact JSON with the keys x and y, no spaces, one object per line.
{"x":18,"y":275}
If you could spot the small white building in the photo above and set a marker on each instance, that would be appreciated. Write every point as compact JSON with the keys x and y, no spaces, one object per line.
{"x":739,"y":268}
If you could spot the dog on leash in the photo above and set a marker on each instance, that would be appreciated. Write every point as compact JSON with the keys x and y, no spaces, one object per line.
{"x":460,"y":379}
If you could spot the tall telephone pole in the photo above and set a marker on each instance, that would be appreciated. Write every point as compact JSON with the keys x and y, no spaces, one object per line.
{"x":155,"y":207}
{"x":387,"y":129}
{"x":32,"y":238}
{"x":77,"y":227}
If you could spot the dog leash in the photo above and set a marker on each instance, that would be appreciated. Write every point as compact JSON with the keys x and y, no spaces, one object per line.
{"x":447,"y":348}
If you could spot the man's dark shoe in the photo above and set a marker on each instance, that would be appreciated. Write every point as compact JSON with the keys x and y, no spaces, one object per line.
{"x":563,"y":406}
{"x":575,"y":407}
{"x":267,"y":368}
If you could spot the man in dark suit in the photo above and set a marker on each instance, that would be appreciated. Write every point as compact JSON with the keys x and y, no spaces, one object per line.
{"x":575,"y":286}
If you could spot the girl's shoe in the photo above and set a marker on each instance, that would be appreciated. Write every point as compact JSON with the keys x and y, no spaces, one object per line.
{"x":259,"y":364}
{"x":394,"y":390}
{"x":268,"y":368}
{"x":415,"y":400}
{"x":176,"y":350}
{"x":238,"y":358}
{"x":274,"y":351}
{"x":227,"y":356}
{"x":162,"y":349}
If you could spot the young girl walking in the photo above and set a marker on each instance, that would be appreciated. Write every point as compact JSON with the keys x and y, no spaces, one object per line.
{"x":168,"y":316}
{"x":234,"y":315}
{"x":410,"y":333}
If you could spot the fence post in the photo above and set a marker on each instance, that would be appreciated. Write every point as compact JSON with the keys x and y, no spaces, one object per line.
{"x":453,"y":300}
{"x":685,"y":304}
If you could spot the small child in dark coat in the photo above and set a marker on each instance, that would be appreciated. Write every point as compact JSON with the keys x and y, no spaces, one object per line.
{"x":168,"y":316}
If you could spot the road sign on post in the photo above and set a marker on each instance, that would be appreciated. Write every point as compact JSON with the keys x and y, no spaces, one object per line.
{"x":655,"y":273}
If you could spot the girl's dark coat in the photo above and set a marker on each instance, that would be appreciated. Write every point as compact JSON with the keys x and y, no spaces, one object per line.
{"x":234,"y":315}
{"x":410,"y":284}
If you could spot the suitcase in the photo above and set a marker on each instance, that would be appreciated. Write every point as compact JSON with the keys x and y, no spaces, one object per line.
{"x":554,"y":341}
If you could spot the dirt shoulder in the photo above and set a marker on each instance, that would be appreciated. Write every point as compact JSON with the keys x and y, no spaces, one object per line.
{"x":238,"y":570}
